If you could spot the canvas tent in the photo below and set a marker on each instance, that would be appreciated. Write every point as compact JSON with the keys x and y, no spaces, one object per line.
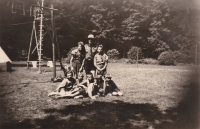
{"x":5,"y":62}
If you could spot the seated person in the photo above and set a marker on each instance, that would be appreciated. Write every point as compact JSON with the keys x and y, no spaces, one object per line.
{"x":91,"y":83}
{"x":81,"y":88}
{"x":65,"y":86}
{"x":110,"y":86}
{"x":92,"y":89}
{"x":100,"y":85}
{"x":80,"y":78}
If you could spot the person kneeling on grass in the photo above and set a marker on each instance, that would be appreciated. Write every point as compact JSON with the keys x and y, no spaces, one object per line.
{"x":65,"y":86}
{"x":110,"y":87}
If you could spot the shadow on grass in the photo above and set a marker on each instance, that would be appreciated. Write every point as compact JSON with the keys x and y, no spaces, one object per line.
{"x":187,"y":114}
{"x":99,"y":115}
{"x":109,"y":115}
{"x":118,"y":115}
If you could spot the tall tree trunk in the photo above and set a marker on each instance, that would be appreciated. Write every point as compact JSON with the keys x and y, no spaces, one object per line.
{"x":59,"y":56}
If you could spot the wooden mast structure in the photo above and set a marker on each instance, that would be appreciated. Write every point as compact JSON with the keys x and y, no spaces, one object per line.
{"x":39,"y":42}
{"x":41,"y":37}
{"x":53,"y":42}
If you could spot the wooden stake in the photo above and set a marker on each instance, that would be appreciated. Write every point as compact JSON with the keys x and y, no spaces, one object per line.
{"x":59,"y":54}
{"x":53,"y":43}
{"x":13,"y":8}
{"x":24,"y":10}
{"x":196,"y":55}
{"x":137,"y":57}
{"x":29,"y":51}
{"x":30,"y":10}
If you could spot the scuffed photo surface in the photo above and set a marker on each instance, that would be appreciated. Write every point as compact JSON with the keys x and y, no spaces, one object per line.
{"x":153,"y":57}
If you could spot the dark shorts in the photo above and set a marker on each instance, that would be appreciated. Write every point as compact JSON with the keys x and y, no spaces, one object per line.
{"x":89,"y":65}
{"x":95,"y":90}
{"x":103,"y":72}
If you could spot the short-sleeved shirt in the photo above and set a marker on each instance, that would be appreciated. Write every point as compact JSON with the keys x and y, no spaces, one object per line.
{"x":101,"y":59}
{"x":77,"y":55}
{"x":90,"y":51}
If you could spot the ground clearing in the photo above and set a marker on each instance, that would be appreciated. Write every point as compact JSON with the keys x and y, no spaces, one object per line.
{"x":154,"y":97}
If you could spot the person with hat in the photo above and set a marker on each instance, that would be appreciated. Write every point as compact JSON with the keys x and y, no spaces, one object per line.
{"x":76,"y":61}
{"x":88,"y":62}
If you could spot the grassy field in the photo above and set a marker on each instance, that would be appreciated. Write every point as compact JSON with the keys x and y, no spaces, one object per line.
{"x":155,"y":97}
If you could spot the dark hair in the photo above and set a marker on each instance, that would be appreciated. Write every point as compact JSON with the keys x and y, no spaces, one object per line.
{"x":89,"y":74}
{"x":100,"y":45}
{"x":81,"y":43}
{"x":83,"y":51}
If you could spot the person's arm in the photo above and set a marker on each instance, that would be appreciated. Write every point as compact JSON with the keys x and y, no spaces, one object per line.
{"x":104,"y":86}
{"x":95,"y":63}
{"x":106,"y":63}
{"x":83,"y":86}
{"x":82,"y":65}
{"x":89,"y":91}
{"x":71,"y":60}
{"x":62,"y":84}
{"x":83,"y":83}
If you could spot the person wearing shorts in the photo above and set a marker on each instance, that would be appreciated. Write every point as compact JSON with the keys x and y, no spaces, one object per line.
{"x":100,"y":62}
{"x":77,"y":58}
{"x":65,"y":86}
{"x":88,"y":63}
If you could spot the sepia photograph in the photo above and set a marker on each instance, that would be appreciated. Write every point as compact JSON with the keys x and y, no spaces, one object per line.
{"x":99,"y":64}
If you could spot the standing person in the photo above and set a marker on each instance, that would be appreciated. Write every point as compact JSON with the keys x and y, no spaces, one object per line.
{"x":88,"y":63}
{"x":77,"y":58}
{"x":100,"y":61}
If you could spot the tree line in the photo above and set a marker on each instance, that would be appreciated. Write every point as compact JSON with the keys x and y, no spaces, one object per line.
{"x":154,"y":26}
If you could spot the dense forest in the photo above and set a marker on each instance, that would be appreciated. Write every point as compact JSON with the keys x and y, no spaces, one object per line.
{"x":154,"y":26}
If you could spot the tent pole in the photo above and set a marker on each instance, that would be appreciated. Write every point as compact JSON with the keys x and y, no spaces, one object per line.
{"x":53,"y":43}
{"x":29,"y":51}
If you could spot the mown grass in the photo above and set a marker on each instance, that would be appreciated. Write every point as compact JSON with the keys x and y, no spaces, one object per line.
{"x":154,"y":97}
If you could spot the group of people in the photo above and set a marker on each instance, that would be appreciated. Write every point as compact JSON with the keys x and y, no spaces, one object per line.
{"x":90,"y":58}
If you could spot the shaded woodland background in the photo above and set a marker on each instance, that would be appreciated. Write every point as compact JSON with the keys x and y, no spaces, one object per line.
{"x":154,"y":26}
